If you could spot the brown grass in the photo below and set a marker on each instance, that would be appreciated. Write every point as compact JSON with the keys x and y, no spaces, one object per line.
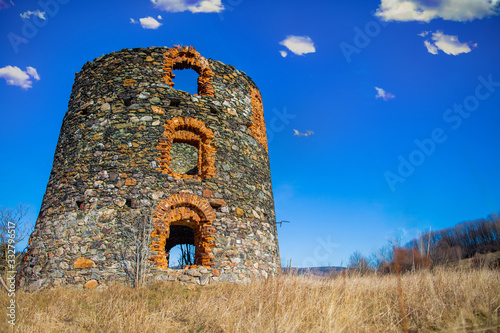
{"x":444,"y":300}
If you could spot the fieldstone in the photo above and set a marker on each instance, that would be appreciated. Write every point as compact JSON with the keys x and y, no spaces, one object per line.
{"x":98,"y":257}
{"x":193,"y":272}
{"x":37,"y":285}
{"x":156,"y":195}
{"x":105,"y":107}
{"x":130,"y":181}
{"x":120,"y":202}
{"x":95,"y":276}
{"x":91,"y":284}
{"x":90,"y":193}
{"x":185,"y":278}
{"x":107,"y":231}
{"x":204,"y":279}
{"x":83,"y":263}
{"x":157,"y":109}
{"x":162,"y":278}
{"x":155,"y":100}
{"x":235,"y":260}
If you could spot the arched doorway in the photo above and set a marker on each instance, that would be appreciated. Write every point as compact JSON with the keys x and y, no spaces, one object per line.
{"x":182,"y":219}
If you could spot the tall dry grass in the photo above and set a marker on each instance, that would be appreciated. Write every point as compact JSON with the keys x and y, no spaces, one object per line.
{"x":440,"y":300}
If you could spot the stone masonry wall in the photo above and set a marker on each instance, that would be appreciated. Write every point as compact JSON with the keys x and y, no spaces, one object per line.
{"x":113,"y":168}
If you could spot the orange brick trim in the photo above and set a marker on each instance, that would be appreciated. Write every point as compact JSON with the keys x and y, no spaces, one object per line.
{"x":189,"y":210}
{"x":187,"y":57}
{"x":258,"y":126}
{"x":191,"y":131}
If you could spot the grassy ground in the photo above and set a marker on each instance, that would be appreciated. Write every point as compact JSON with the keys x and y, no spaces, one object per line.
{"x":446,"y":300}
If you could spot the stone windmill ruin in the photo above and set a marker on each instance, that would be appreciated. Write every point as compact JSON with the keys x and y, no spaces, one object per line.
{"x":141,"y":167}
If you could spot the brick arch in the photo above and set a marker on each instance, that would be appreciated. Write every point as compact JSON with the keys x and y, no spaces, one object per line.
{"x":188,"y":210}
{"x":185,"y":57}
{"x":191,"y":131}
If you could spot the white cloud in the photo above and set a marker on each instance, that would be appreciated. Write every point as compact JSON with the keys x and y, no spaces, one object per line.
{"x":27,"y":14}
{"x":33,"y":73}
{"x":194,"y":6}
{"x":159,"y":17}
{"x":447,"y":43}
{"x":381,"y":93}
{"x":17,"y":77}
{"x":149,"y":23}
{"x":133,"y":21}
{"x":283,"y":53}
{"x":299,"y":45}
{"x":423,"y":33}
{"x":431,"y":47}
{"x":297,"y":133}
{"x":427,"y":10}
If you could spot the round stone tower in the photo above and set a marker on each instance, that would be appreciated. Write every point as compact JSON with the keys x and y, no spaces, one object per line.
{"x":141,"y":167}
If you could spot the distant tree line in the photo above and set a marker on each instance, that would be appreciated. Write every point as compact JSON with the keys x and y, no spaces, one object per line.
{"x":463,"y":241}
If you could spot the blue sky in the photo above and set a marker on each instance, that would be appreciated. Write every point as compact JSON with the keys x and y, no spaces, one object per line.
{"x":382,"y":117}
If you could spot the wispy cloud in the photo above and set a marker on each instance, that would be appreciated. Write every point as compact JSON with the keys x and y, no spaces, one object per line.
{"x":193,"y":6}
{"x":381,"y":93}
{"x":447,"y":43}
{"x":283,"y":53}
{"x":29,"y":13}
{"x":299,"y":45}
{"x":297,"y":133}
{"x":148,"y":22}
{"x":427,"y":10}
{"x":14,"y":76}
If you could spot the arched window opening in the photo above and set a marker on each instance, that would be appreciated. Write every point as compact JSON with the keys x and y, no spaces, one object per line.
{"x":185,"y":80}
{"x":186,"y":57}
{"x":184,"y":158}
{"x":186,"y":149}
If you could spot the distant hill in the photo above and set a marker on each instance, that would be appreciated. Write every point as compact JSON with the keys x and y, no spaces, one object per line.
{"x":316,"y":271}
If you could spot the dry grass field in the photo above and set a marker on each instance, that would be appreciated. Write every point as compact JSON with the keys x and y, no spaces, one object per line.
{"x":441,"y":300}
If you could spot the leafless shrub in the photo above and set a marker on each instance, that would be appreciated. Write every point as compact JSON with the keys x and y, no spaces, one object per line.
{"x":14,"y":228}
{"x":135,"y":229}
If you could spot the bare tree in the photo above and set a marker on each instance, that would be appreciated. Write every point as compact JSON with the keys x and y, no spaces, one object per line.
{"x":187,"y":255}
{"x":14,"y":228}
{"x":359,"y":263}
{"x":136,"y":231}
